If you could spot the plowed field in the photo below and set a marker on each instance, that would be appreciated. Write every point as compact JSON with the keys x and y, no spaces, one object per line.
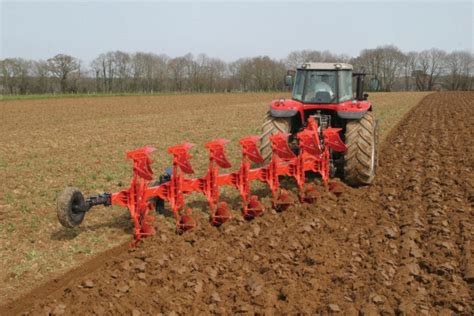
{"x":402,"y":245}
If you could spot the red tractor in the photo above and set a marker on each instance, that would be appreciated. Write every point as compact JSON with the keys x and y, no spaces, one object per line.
{"x":324,"y":91}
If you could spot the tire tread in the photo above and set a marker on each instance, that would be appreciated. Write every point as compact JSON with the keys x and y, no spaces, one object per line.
{"x":360,"y":136}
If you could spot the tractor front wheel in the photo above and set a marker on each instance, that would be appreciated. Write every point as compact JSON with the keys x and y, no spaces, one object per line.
{"x":71,"y":207}
{"x":272,"y":125}
{"x":360,"y":159}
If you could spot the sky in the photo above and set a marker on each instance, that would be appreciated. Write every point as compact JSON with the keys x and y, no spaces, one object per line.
{"x":230,"y":30}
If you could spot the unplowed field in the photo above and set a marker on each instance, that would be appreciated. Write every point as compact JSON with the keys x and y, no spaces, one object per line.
{"x":403,"y":245}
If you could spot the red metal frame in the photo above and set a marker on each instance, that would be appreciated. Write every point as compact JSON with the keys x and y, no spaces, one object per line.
{"x":314,"y":155}
{"x":294,"y":105}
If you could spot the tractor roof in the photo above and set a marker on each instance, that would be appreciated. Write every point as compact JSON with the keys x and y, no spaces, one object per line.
{"x":326,"y":66}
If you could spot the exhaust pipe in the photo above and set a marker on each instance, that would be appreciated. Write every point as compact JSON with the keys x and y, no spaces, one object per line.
{"x":360,"y":86}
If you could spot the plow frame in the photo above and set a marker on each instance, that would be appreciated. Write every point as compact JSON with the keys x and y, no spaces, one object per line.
{"x":313,"y":156}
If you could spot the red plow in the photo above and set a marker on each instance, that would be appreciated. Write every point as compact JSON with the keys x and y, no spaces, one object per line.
{"x":140,"y":198}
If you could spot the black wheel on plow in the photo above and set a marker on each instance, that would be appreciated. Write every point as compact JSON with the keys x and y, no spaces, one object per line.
{"x":71,"y":207}
{"x":360,"y":159}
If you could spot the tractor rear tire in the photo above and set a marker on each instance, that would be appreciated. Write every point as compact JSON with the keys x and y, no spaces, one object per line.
{"x":360,"y":159}
{"x":71,"y":207}
{"x":272,"y":125}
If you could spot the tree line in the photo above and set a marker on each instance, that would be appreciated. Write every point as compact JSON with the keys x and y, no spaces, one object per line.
{"x":121,"y":72}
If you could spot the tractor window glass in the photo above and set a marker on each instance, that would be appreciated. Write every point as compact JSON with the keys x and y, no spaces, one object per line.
{"x":345,"y":86}
{"x":299,"y":85}
{"x":320,"y":87}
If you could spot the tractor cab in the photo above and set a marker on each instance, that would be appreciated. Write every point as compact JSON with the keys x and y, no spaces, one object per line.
{"x":325,"y":83}
{"x":322,"y":83}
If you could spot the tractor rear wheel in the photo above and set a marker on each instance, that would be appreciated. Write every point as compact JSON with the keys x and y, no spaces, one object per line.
{"x":360,"y":159}
{"x":272,"y":125}
{"x":71,"y":207}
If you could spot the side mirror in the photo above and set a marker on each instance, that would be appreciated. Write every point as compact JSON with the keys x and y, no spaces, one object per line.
{"x":288,"y":80}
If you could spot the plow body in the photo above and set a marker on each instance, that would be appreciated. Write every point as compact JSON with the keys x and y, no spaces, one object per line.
{"x":140,"y":198}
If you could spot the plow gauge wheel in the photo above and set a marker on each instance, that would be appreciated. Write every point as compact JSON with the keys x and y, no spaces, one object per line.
{"x":71,"y":207}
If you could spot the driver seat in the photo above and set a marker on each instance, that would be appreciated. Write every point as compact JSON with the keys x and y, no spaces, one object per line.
{"x":323,"y":97}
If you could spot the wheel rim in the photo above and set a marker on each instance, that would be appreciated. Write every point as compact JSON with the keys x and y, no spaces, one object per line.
{"x":77,"y":208}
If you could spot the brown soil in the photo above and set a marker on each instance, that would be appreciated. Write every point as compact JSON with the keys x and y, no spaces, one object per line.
{"x":49,"y":144}
{"x":401,"y":246}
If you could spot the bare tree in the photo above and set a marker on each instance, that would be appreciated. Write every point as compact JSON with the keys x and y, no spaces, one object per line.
{"x":436,"y":59}
{"x":295,"y":59}
{"x":239,"y":78}
{"x":142,"y":70}
{"x":61,"y":66}
{"x":384,"y":62}
{"x":430,"y":67}
{"x":160,"y":68}
{"x":41,"y":73}
{"x":409,"y":68}
{"x":178,"y":72}
{"x":392,"y":62}
{"x":259,"y":74}
{"x":215,"y":75}
{"x":121,"y":62}
{"x":15,"y":75}
{"x":459,"y":66}
{"x":99,"y":73}
{"x":118,"y":71}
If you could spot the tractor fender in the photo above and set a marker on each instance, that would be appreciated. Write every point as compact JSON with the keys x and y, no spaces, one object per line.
{"x":351,"y":115}
{"x":285,"y":108}
{"x":283,"y":113}
{"x":353,"y":110}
